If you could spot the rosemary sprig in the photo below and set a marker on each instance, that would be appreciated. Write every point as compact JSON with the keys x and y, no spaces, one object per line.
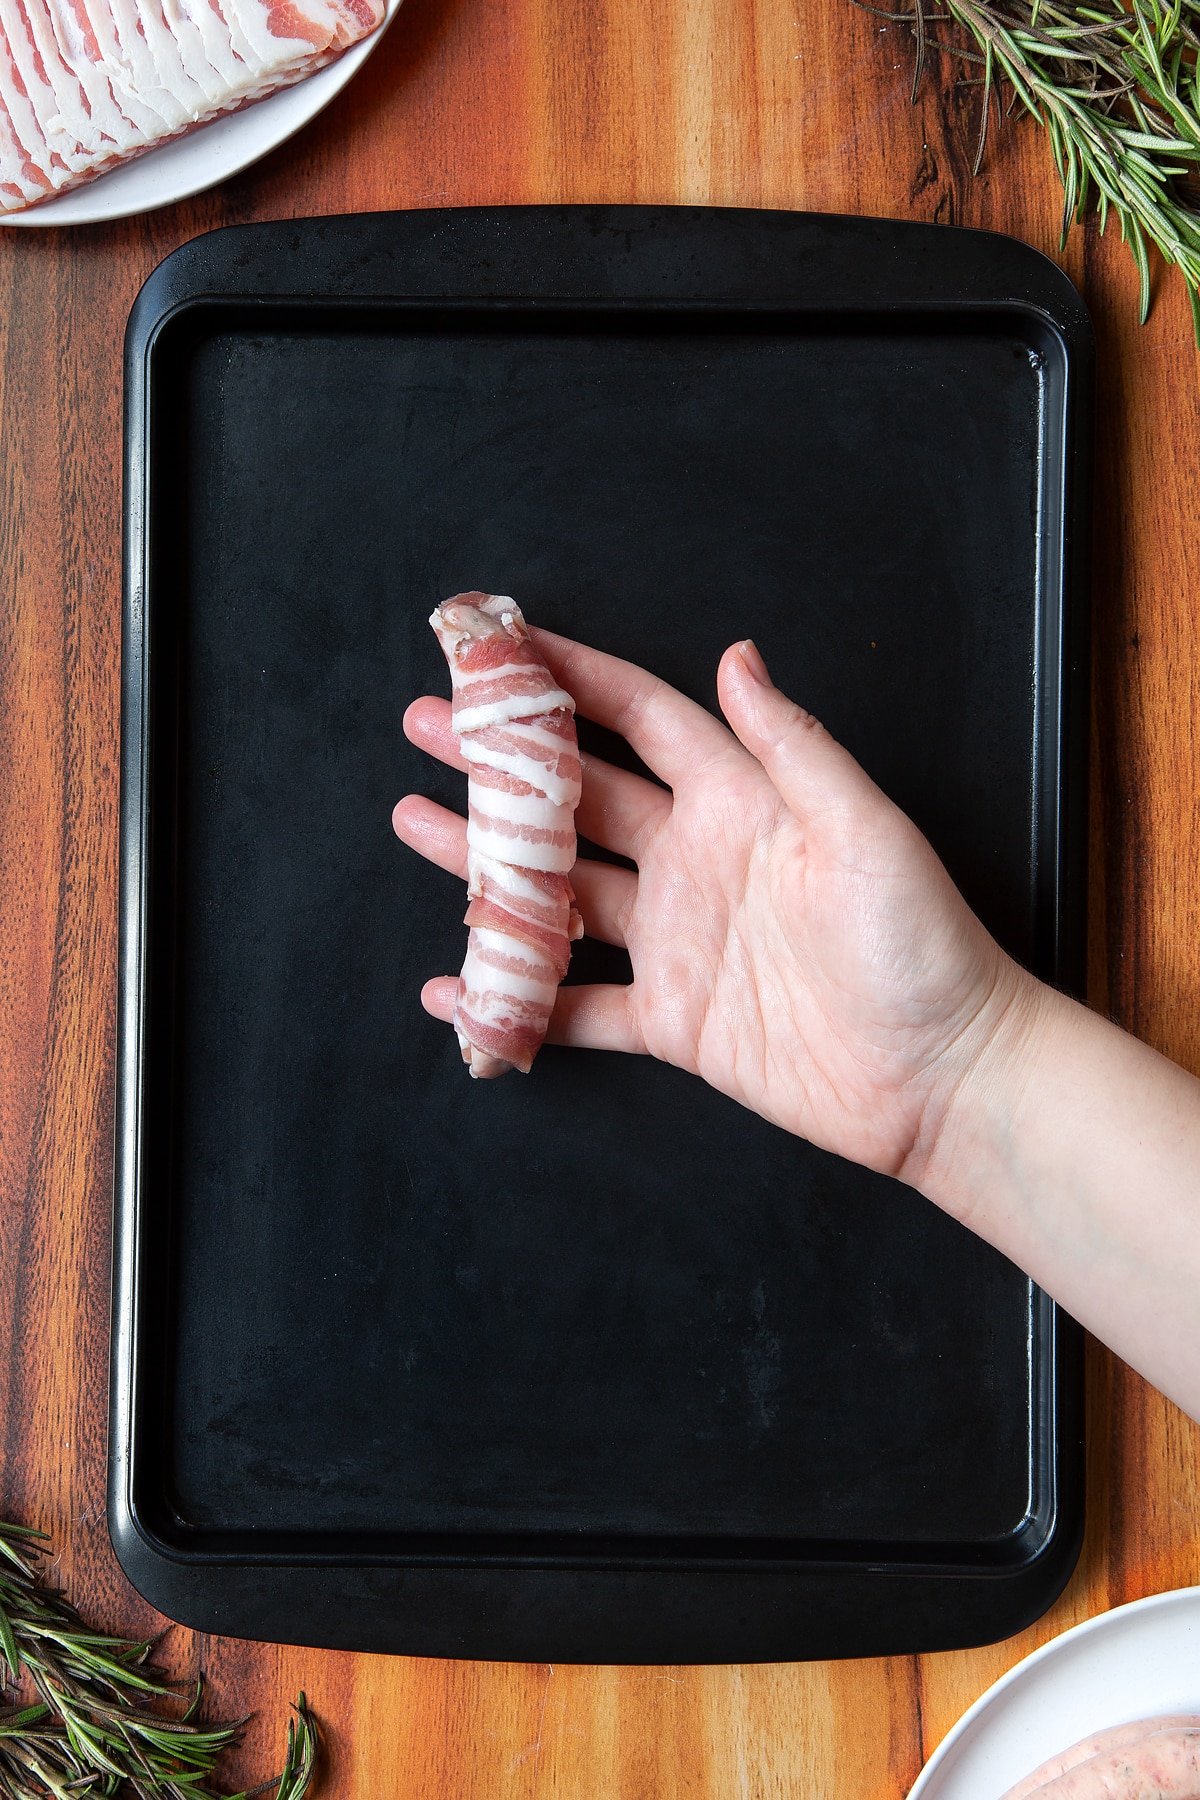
{"x":1116,"y":86}
{"x":94,"y":1716}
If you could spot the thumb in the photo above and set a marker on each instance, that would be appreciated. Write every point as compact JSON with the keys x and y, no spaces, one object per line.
{"x":811,"y":770}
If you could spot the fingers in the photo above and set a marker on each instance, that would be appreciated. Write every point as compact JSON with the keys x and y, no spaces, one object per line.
{"x":604,"y":893}
{"x":810,"y":769}
{"x":435,"y":833}
{"x":427,"y":725}
{"x":599,"y":1017}
{"x":617,"y":809}
{"x":672,"y":734}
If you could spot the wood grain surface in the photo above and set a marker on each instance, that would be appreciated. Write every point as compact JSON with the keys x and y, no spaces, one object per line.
{"x":731,"y":102}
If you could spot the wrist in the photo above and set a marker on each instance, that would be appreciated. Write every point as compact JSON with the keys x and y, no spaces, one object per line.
{"x":973,"y":1120}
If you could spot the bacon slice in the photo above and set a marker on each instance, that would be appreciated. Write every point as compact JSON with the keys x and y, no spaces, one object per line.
{"x":516,"y":727}
{"x":21,"y":181}
{"x":87,"y":84}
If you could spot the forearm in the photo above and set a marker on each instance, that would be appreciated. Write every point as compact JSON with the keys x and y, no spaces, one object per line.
{"x":1075,"y":1149}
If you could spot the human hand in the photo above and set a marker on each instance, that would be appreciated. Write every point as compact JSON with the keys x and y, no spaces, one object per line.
{"x":794,"y":939}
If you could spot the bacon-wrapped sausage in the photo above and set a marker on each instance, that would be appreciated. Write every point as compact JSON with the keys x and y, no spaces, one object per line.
{"x":516,"y":727}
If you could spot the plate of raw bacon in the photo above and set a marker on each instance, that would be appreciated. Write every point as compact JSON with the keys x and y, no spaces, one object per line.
{"x":145,"y":114}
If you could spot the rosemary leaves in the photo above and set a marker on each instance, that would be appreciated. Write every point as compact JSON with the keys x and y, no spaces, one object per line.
{"x":93,"y":1716}
{"x":1116,"y":88}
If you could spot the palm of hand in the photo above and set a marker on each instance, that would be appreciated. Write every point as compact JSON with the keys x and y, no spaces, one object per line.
{"x":818,"y":974}
{"x":794,"y":939}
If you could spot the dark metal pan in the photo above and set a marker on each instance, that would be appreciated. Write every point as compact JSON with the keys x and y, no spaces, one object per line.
{"x":594,"y":1365}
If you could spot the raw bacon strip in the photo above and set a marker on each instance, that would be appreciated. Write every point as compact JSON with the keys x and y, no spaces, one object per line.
{"x":95,"y":35}
{"x":129,"y":57}
{"x":74,"y":44}
{"x":516,"y":727}
{"x":292,"y":28}
{"x":353,"y":17}
{"x":20,"y":179}
{"x":25,"y":164}
{"x":180,"y":76}
{"x":216,"y":41}
{"x":186,"y":44}
{"x":57,"y":113}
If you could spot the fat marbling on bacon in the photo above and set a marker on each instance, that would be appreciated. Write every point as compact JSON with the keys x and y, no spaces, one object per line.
{"x":87,"y":84}
{"x":516,"y":729}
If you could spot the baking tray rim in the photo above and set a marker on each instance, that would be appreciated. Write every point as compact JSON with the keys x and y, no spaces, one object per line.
{"x":128,"y":1522}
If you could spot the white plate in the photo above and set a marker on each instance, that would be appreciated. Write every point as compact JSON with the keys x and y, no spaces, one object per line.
{"x":1127,"y":1664}
{"x":210,"y":154}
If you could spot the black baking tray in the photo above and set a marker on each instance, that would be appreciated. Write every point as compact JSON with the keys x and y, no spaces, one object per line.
{"x":592,"y":1365}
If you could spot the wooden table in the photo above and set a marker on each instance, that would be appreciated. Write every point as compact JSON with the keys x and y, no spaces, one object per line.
{"x":729,"y":102}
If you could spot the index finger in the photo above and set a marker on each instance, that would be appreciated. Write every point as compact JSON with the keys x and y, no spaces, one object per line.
{"x":672,"y":734}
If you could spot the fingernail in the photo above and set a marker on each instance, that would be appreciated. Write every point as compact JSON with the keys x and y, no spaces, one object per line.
{"x":755,"y":666}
